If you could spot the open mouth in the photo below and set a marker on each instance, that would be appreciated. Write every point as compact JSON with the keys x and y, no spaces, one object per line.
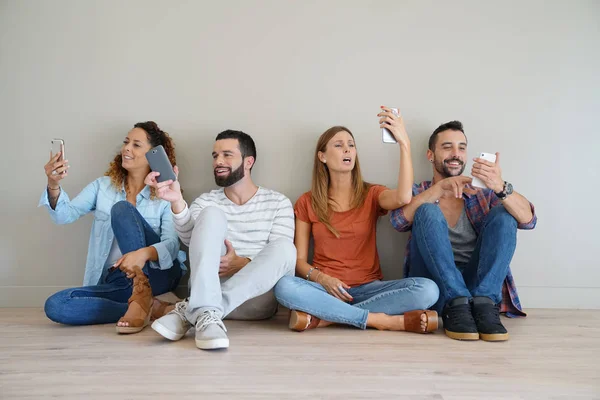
{"x":454,"y":163}
{"x":222,"y":171}
{"x":347,"y":160}
{"x":127,"y":157}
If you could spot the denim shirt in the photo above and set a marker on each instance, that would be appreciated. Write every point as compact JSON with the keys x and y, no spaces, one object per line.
{"x":99,"y":197}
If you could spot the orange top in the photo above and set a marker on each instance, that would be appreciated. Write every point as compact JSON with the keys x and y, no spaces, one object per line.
{"x":352,"y":257}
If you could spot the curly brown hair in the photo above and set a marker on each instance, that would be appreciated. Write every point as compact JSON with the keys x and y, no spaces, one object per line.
{"x":156,"y":137}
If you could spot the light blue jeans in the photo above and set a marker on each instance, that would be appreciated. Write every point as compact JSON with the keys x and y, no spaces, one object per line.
{"x":390,"y":297}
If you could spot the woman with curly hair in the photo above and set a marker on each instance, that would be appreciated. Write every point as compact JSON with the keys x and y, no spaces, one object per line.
{"x":133,"y":251}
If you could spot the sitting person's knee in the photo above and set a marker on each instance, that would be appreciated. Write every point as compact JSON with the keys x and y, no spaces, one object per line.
{"x":119,"y":208}
{"x":500,"y":215}
{"x":283,"y":286}
{"x":212,"y":215}
{"x":54,"y":307}
{"x":287,"y":249}
{"x":428,"y":212}
{"x":431,"y":292}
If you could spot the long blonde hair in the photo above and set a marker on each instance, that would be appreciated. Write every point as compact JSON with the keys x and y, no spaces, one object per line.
{"x":320,"y":200}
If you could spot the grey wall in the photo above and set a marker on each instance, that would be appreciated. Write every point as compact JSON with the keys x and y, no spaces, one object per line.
{"x":522,"y":76}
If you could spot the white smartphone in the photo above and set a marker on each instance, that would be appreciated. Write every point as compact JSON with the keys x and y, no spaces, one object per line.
{"x":58,"y":145}
{"x":386,"y":135}
{"x":488,"y":157}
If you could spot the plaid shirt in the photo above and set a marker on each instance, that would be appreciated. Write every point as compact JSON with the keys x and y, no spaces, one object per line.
{"x":477,"y":206}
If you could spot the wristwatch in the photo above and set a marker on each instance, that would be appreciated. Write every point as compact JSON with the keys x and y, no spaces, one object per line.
{"x":506,"y":191}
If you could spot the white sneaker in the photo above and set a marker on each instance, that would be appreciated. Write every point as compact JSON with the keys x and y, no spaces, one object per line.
{"x":210,"y":332}
{"x":174,"y":325}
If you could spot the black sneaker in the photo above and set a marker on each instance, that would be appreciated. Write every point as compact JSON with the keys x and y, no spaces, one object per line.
{"x":458,"y":320}
{"x":487,"y":318}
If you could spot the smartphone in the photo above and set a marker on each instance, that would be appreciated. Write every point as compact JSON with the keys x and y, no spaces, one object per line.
{"x":386,"y":135}
{"x":488,"y":157}
{"x":159,"y":162}
{"x":58,"y":145}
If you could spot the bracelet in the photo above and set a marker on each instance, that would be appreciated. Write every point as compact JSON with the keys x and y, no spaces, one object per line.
{"x":51,"y":188}
{"x":317,"y":277}
{"x":310,"y":272}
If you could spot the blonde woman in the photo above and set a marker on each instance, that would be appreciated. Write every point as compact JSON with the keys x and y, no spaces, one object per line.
{"x":344,"y":283}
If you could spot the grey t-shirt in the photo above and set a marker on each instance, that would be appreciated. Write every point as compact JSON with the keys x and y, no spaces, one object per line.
{"x":463,"y":239}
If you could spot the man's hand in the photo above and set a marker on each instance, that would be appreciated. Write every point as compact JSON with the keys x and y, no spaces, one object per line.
{"x":489,"y":173}
{"x":168,"y":190}
{"x":231,"y":263}
{"x":453,"y":186}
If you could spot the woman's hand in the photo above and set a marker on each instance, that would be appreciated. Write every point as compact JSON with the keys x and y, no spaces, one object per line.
{"x":395,"y":124}
{"x":56,"y":170}
{"x":132,"y":261}
{"x":334,"y":287}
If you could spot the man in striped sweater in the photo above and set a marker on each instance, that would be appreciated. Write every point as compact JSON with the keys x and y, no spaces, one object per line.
{"x":240,"y":240}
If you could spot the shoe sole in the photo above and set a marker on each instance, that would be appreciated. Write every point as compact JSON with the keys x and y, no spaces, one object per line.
{"x":462,"y":335}
{"x":165,"y":332}
{"x":494,"y":337}
{"x":212,"y":344}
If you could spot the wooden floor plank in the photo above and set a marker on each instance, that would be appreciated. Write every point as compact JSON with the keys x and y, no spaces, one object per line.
{"x":552,"y":354}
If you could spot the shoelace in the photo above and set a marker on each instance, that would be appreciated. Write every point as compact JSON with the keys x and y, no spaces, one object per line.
{"x":460,"y":313}
{"x":180,"y":309}
{"x":488,"y":312}
{"x":207,"y":318}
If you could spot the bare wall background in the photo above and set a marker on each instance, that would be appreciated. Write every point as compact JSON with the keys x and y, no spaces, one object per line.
{"x":522,"y":76}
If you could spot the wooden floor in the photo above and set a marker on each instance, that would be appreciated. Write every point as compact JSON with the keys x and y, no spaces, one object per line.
{"x":552,"y":354}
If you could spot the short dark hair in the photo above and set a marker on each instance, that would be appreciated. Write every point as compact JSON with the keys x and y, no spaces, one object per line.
{"x":247,"y":146}
{"x":452,"y":125}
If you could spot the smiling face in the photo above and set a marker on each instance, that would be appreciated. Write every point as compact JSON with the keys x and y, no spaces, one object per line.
{"x":134,"y":149}
{"x":229,"y":166}
{"x":340,"y":153}
{"x":450,"y":154}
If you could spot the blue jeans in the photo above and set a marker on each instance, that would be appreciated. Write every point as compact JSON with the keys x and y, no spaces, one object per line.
{"x":107,"y":302}
{"x":431,"y":255}
{"x":390,"y":297}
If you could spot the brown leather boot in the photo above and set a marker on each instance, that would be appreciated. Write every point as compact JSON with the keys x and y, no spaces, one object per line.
{"x":142,"y":295}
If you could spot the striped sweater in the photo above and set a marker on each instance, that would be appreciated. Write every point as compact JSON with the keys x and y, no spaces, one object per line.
{"x":268,"y":215}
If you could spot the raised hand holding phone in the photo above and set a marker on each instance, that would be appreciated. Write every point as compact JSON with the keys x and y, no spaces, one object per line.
{"x":56,"y":168}
{"x":486,"y":172}
{"x":168,"y":190}
{"x":392,"y":126}
{"x":159,"y":162}
{"x":58,"y":146}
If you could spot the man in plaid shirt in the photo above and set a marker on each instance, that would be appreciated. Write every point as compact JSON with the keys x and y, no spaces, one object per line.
{"x":464,"y":237}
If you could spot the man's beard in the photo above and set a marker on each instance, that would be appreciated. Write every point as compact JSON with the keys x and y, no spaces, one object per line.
{"x":232,"y":178}
{"x":442,"y":167}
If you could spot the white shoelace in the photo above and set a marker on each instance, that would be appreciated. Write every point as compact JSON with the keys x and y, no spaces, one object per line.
{"x":207,"y":318}
{"x":180,"y":309}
